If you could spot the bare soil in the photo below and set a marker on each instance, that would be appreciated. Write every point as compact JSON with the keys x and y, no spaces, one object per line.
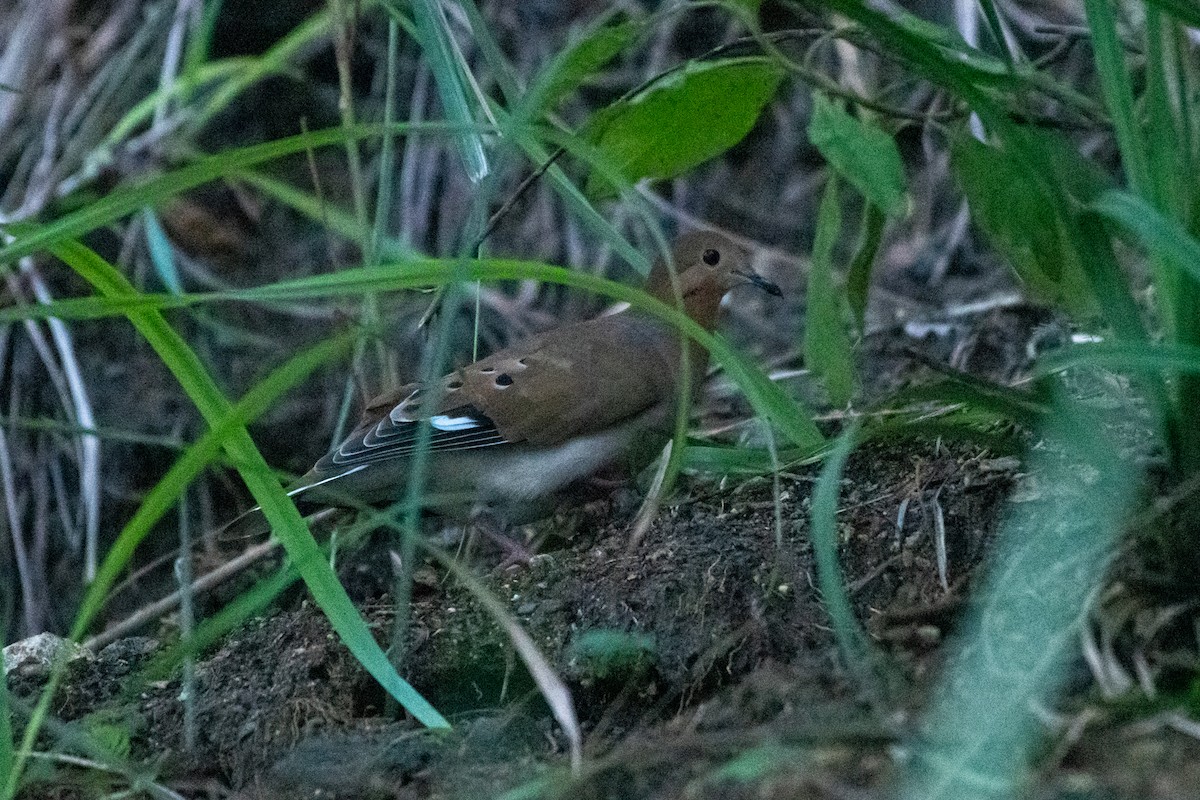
{"x":729,"y":683}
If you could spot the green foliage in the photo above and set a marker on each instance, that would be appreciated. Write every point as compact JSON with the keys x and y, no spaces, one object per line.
{"x":858,"y":276}
{"x":858,"y":653}
{"x":753,"y":765}
{"x":1046,"y":209}
{"x":869,"y":159}
{"x":572,"y":67}
{"x":108,"y":732}
{"x":862,"y":153}
{"x":1025,"y":220}
{"x":682,"y":120}
{"x":278,"y":507}
{"x":434,"y":36}
{"x":1020,"y":634}
{"x":1185,"y":11}
{"x":827,"y":347}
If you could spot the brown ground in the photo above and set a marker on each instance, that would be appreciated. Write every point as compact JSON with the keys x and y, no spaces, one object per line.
{"x":730,"y":684}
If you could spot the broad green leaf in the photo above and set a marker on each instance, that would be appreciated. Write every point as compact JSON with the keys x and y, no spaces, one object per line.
{"x":579,"y":61}
{"x":686,"y":118}
{"x":862,"y":153}
{"x":827,"y":347}
{"x":1024,"y":221}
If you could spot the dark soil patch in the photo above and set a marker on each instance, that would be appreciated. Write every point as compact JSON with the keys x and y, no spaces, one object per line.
{"x":730,"y":642}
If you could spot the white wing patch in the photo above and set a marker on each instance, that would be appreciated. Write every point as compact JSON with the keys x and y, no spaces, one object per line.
{"x":444,"y":422}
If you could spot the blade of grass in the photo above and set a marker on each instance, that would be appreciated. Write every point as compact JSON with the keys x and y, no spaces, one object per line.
{"x":552,"y":687}
{"x":1014,"y":648}
{"x":128,"y":199}
{"x":200,"y":44}
{"x":1163,"y":237}
{"x":159,"y":500}
{"x":1117,"y":83}
{"x":433,"y":33}
{"x":857,"y":652}
{"x":768,"y":399}
{"x":1184,"y":10}
{"x":328,"y":215}
{"x":1164,"y":357}
{"x":276,"y":505}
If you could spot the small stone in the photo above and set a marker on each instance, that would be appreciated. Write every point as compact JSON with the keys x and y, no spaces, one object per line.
{"x":36,"y":656}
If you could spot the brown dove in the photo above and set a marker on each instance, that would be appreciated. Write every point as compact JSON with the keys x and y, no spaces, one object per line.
{"x":512,"y":430}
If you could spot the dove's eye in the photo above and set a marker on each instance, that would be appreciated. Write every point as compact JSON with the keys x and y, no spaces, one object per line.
{"x":711,"y":257}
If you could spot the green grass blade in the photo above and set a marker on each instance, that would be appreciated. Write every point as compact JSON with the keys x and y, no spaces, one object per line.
{"x":276,"y":505}
{"x":162,"y":256}
{"x":200,"y":44}
{"x":434,"y":35}
{"x":1020,"y":634}
{"x":575,"y":201}
{"x":185,"y":86}
{"x":125,"y":201}
{"x":338,"y":220}
{"x":1117,"y":84}
{"x":1185,"y":11}
{"x":159,"y":500}
{"x":273,"y":61}
{"x":166,"y":493}
{"x":1165,"y":357}
{"x":852,"y":639}
{"x":1162,"y":236}
{"x":827,"y":348}
{"x":499,"y":67}
{"x":768,"y":399}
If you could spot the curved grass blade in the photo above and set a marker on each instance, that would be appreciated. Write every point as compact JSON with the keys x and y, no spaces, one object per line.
{"x":1015,"y":645}
{"x":165,"y":494}
{"x":128,"y":199}
{"x":276,"y":505}
{"x":1160,"y":235}
{"x":771,"y":402}
{"x":857,"y":651}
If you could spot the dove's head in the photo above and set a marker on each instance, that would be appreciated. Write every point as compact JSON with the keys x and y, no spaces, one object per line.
{"x":707,"y":265}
